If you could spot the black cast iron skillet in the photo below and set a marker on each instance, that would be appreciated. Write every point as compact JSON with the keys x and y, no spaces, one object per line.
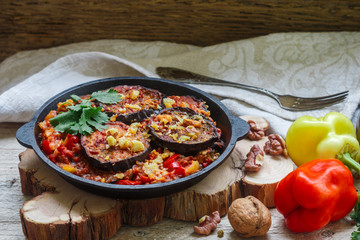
{"x":233,"y":128}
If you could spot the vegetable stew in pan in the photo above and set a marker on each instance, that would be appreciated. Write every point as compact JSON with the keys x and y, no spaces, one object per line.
{"x":97,"y":136}
{"x":131,"y":135}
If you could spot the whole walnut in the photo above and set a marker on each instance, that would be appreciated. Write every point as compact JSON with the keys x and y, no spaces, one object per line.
{"x":249,"y":217}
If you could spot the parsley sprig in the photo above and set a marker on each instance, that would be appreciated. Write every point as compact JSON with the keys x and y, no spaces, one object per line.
{"x":110,"y":96}
{"x":82,"y":118}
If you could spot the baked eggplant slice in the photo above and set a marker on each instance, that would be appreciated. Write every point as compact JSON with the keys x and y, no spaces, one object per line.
{"x":138,"y":104}
{"x":118,"y":147}
{"x":198,"y":105}
{"x":182,"y":130}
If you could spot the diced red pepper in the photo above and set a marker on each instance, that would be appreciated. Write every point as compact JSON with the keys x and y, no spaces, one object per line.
{"x":145,"y":179}
{"x":46,"y":147}
{"x":167,"y":163}
{"x":170,"y":160}
{"x":175,"y":165}
{"x":179,"y":171}
{"x":127,"y":182}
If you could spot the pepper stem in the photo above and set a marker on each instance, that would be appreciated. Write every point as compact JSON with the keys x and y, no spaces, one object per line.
{"x":349,"y":156}
{"x":347,"y":160}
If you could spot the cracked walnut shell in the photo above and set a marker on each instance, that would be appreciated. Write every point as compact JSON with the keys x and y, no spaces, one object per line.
{"x":249,"y":217}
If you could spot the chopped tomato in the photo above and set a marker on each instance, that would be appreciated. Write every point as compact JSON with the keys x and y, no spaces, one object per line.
{"x":71,"y":140}
{"x":179,"y":171}
{"x":52,"y":158}
{"x":65,"y":151}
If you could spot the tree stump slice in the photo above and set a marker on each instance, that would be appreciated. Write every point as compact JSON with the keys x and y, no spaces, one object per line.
{"x":140,"y":213}
{"x":214,"y":193}
{"x":64,"y":212}
{"x":262,"y":184}
{"x":60,"y":210}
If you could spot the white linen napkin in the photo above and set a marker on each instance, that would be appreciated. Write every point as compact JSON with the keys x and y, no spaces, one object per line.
{"x":304,"y":64}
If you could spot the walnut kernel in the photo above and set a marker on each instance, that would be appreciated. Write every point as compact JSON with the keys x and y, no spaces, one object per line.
{"x":255,"y":133}
{"x":275,"y":145}
{"x":254,"y":159}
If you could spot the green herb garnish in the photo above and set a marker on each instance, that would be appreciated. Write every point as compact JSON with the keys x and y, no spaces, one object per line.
{"x":83,"y":117}
{"x":109,"y":96}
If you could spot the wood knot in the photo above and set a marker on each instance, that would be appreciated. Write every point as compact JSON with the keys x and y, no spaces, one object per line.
{"x":327,"y":233}
{"x":139,"y":233}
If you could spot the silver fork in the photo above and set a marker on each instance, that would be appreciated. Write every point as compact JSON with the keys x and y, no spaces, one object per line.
{"x":287,"y":102}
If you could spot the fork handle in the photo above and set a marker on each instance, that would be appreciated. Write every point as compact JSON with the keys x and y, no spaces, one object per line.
{"x":184,"y":76}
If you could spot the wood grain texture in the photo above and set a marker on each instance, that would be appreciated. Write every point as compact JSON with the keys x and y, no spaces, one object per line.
{"x":28,"y":24}
{"x":73,"y":212}
{"x":63,"y":212}
{"x":12,"y":199}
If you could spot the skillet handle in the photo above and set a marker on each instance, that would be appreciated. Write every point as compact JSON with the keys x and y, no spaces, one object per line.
{"x":240,"y":127}
{"x":25,"y":134}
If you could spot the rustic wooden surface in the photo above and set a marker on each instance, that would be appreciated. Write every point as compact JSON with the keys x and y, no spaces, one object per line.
{"x":76,"y":217}
{"x":29,"y":24}
{"x":11,"y":200}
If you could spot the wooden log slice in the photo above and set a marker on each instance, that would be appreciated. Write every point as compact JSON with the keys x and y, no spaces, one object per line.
{"x":260,"y":122}
{"x":142,"y":212}
{"x":61,"y":210}
{"x":229,"y":181}
{"x":214,"y":193}
{"x":262,"y":184}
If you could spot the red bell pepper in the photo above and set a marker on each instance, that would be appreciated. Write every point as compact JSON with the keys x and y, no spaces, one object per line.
{"x":314,"y":194}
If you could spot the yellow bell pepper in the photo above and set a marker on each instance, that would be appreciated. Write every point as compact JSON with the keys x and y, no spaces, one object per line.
{"x":331,"y":136}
